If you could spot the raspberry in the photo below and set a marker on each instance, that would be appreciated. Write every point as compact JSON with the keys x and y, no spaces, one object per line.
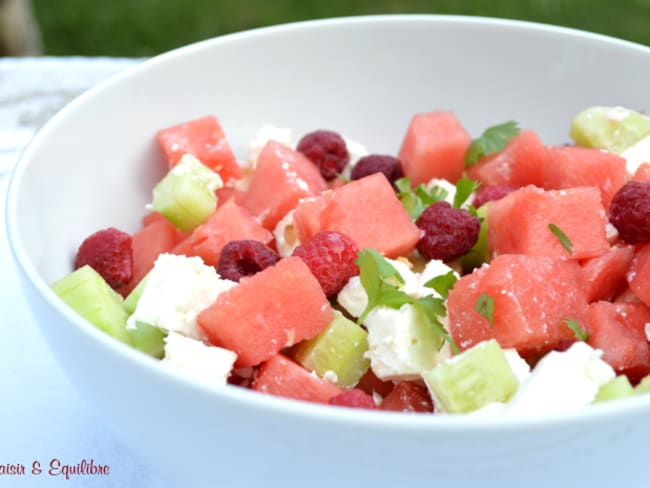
{"x":353,"y":399}
{"x":377,"y":163}
{"x":330,"y":257}
{"x":327,"y":150}
{"x":244,"y":258}
{"x":629,"y":212}
{"x":448,"y":232}
{"x":108,"y":252}
{"x":491,"y":193}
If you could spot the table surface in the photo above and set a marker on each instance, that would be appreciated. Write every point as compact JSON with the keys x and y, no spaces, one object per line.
{"x":41,"y":415}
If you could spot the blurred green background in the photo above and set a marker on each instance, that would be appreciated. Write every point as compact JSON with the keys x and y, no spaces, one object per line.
{"x":147,"y":27}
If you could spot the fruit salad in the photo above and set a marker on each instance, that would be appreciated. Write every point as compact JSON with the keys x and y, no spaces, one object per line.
{"x":485,"y":275}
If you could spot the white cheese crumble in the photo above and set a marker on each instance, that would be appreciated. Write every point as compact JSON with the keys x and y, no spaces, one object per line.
{"x":286,"y":236}
{"x":177,"y":289}
{"x":449,"y":187}
{"x":647,"y":331}
{"x":356,"y":151}
{"x":269,"y":133}
{"x":636,"y":155}
{"x":208,"y":364}
{"x":611,"y":232}
{"x":618,"y":114}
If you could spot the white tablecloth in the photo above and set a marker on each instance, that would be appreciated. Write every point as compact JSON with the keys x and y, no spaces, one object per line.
{"x":41,"y":415}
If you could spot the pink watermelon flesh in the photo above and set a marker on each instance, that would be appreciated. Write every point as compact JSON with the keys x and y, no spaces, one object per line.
{"x":204,"y":138}
{"x":583,"y":166}
{"x":280,"y":376}
{"x":434,"y":147}
{"x":273,"y":309}
{"x":604,"y":275}
{"x":519,"y":223}
{"x":521,"y":163}
{"x":642,"y":173}
{"x":367,"y":210}
{"x":618,"y":329}
{"x":283,"y":176}
{"x":638,"y":277}
{"x":228,"y":223}
{"x":532,"y":295}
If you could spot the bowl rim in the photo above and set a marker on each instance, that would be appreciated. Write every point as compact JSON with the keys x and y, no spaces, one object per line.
{"x":389,"y":422}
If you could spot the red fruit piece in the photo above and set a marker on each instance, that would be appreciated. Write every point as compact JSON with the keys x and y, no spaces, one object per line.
{"x":604,"y":275}
{"x":354,"y":399}
{"x":327,"y":150}
{"x":378,"y":163}
{"x":108,"y":252}
{"x":408,"y":396}
{"x":330,"y":256}
{"x":244,"y":258}
{"x":370,"y":383}
{"x":491,"y":193}
{"x":629,"y":212}
{"x":448,"y":232}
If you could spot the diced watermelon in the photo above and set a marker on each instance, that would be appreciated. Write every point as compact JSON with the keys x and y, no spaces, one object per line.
{"x":283,"y":176}
{"x":227,"y":192}
{"x":583,"y":166}
{"x":204,"y":138}
{"x":273,"y":309}
{"x":627,"y":296}
{"x":618,"y":329}
{"x":152,"y":217}
{"x":367,"y":210}
{"x":532,"y":295}
{"x":434,"y":147}
{"x":408,"y":396}
{"x":354,"y":398}
{"x":148,"y":243}
{"x":521,"y":163}
{"x":642,"y":173}
{"x":371,"y":384}
{"x":228,"y":223}
{"x":281,"y":376}
{"x":639,"y":275}
{"x":519,"y":223}
{"x":604,"y":275}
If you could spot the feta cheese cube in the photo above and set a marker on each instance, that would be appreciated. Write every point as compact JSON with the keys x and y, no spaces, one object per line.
{"x":207,"y":364}
{"x":286,"y":236}
{"x":637,"y":154}
{"x":177,"y":289}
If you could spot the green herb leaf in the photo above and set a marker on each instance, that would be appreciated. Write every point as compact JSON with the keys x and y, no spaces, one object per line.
{"x":416,"y":200}
{"x":442,"y":283}
{"x":464,"y":188}
{"x":485,"y":306}
{"x":580,"y":333}
{"x":432,"y":309}
{"x":564,"y":240}
{"x":493,"y":140}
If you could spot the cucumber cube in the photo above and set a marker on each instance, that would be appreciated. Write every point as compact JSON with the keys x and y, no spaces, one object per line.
{"x":618,"y":387}
{"x":185,"y":196}
{"x":611,"y":128}
{"x":643,"y":386}
{"x":131,"y":302}
{"x":339,"y":351}
{"x":145,"y":337}
{"x":90,"y":296}
{"x":473,"y":379}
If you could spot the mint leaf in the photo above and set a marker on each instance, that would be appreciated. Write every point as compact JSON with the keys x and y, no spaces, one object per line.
{"x":493,"y":140}
{"x":580,"y":333}
{"x":416,"y":200}
{"x":485,"y":306}
{"x":464,"y":188}
{"x":564,"y":240}
{"x":442,"y":283}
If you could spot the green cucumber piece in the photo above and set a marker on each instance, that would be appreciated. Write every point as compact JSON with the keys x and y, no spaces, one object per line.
{"x":131,"y":302}
{"x":186,"y":195}
{"x":479,"y":253}
{"x":611,"y":128}
{"x":477,"y":377}
{"x":148,"y":339}
{"x":339,"y":349}
{"x":643,"y":386}
{"x":86,"y":292}
{"x":618,"y":387}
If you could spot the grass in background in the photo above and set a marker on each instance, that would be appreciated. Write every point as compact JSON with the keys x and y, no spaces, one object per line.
{"x":148,"y":27}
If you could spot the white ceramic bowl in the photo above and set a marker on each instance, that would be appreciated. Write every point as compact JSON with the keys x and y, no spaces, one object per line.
{"x":94,"y":165}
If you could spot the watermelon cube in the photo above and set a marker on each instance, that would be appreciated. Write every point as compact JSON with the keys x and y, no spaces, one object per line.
{"x":519,"y":164}
{"x":204,"y":138}
{"x":280,"y":376}
{"x":519,"y":223}
{"x":228,"y":223}
{"x":283,"y":176}
{"x":604,"y":275}
{"x":638,"y":276}
{"x":582,"y":166}
{"x":642,"y":173}
{"x":531,"y":296}
{"x":408,"y":396}
{"x":273,"y":309}
{"x":618,"y":329}
{"x":367,"y":210}
{"x":434,"y":147}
